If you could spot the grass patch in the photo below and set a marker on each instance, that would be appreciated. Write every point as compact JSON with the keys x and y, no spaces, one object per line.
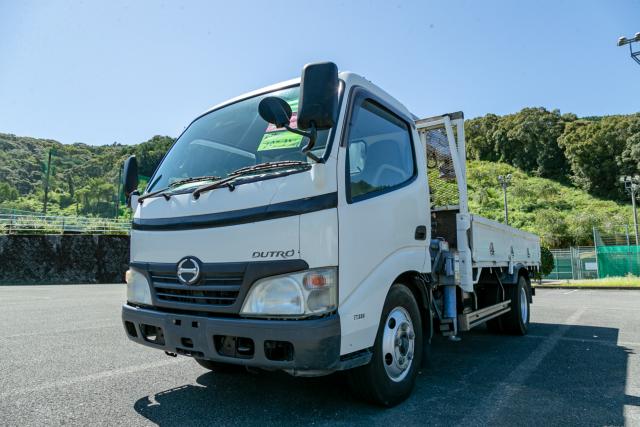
{"x":627,"y":281}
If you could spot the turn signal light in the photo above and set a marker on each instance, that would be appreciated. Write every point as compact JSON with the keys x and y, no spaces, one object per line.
{"x":314,"y":280}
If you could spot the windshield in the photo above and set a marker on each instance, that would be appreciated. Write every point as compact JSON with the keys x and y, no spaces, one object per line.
{"x":233,"y":137}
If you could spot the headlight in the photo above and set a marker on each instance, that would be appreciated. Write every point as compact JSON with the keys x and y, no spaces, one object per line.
{"x":310,"y":292}
{"x":137,"y":287}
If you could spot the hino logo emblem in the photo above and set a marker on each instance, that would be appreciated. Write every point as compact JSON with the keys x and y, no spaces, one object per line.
{"x":188,"y":270}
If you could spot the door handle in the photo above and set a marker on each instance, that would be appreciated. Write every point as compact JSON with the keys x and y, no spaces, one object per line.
{"x":421,"y":232}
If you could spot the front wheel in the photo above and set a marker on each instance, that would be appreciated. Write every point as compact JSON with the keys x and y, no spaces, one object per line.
{"x":389,"y":378}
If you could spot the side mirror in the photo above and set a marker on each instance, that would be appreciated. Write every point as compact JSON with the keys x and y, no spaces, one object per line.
{"x":130,"y":177}
{"x":275,"y":110}
{"x":318,"y":105}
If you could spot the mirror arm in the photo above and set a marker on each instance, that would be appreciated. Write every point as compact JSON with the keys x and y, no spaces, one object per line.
{"x":129,"y":197}
{"x":312,"y":134}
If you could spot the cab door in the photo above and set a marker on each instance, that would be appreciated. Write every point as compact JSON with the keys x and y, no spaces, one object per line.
{"x":383,"y":213}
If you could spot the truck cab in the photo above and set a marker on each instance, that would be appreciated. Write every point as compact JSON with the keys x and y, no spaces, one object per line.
{"x":293,"y":228}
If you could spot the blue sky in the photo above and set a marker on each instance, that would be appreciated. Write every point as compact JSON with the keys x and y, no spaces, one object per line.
{"x":99,"y":72}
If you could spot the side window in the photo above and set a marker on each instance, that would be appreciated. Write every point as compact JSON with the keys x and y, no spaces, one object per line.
{"x":380,"y":156}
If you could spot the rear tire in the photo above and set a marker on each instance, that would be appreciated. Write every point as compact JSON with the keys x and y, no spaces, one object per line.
{"x":516,"y":321}
{"x":218,"y":366}
{"x":397,"y":352}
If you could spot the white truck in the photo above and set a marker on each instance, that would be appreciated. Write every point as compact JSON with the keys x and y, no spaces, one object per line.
{"x":314,"y":226}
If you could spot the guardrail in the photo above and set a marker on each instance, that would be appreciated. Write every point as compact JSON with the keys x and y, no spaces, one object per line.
{"x":19,"y":223}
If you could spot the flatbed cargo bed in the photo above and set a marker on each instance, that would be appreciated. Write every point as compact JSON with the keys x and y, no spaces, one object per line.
{"x":495,"y":244}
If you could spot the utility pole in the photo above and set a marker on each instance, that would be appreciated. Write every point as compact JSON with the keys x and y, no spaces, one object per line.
{"x":635,"y":54}
{"x":504,"y":183}
{"x":632,"y":185}
{"x":46,"y":183}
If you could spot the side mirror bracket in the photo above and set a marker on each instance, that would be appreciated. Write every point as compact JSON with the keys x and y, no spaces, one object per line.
{"x":312,"y":134}
{"x":277,"y":111}
{"x":133,"y":200}
{"x":317,"y":106}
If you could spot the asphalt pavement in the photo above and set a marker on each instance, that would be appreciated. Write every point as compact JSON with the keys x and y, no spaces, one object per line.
{"x":64,"y":359}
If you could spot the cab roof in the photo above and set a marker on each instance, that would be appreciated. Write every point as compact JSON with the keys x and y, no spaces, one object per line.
{"x":350,"y":80}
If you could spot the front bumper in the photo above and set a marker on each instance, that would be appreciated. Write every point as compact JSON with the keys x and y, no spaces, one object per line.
{"x":315,"y":343}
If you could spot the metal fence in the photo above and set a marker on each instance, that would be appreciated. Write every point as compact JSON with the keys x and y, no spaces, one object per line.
{"x":574,"y":263}
{"x":19,"y":222}
{"x":615,"y":254}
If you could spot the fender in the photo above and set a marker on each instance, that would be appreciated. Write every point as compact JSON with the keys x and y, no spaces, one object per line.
{"x":512,"y":279}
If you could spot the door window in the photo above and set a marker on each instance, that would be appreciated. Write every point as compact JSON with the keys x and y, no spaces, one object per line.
{"x":380,"y":154}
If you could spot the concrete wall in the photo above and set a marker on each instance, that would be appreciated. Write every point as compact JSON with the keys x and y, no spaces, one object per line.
{"x":42,"y":259}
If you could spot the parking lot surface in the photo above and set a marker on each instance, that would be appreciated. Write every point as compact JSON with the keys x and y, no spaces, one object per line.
{"x":64,"y":359}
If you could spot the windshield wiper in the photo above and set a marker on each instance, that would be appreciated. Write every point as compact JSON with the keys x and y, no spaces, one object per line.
{"x":221,"y":183}
{"x":269,"y":166}
{"x":177,"y":183}
{"x":260,"y":167}
{"x":194,"y":179}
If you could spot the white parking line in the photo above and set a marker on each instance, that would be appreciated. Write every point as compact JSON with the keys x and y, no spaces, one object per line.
{"x":92,"y":377}
{"x":492,"y":405}
{"x":632,"y":412}
{"x":590,"y":341}
{"x":61,"y":331}
{"x":570,"y":292}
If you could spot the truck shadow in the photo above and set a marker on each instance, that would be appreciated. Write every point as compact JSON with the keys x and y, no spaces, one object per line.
{"x":558,"y":374}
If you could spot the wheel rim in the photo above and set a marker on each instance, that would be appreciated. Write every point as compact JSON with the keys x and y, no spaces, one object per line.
{"x":524,"y":309}
{"x":398,"y":344}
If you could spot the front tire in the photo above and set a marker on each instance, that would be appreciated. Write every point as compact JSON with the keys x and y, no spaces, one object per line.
{"x":397,"y":353}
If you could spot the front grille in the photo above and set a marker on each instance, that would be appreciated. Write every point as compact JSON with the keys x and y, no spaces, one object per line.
{"x":212,"y":290}
{"x":219,"y":291}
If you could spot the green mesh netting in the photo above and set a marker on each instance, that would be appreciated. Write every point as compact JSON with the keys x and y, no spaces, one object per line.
{"x":618,"y":261}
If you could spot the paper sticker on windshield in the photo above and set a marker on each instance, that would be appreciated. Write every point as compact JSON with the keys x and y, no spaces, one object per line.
{"x":279,"y":138}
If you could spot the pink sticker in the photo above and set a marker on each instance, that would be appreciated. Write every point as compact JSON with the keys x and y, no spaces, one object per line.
{"x":293,"y":123}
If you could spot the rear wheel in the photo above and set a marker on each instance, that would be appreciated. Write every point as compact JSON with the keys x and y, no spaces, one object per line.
{"x":219,"y":367}
{"x":389,"y":378}
{"x":516,"y":321}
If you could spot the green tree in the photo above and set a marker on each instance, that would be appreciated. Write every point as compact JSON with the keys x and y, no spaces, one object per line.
{"x":479,"y":137}
{"x":599,"y":151}
{"x":8,"y":192}
{"x":547,"y":263}
{"x":527,"y":140}
{"x":150,"y":152}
